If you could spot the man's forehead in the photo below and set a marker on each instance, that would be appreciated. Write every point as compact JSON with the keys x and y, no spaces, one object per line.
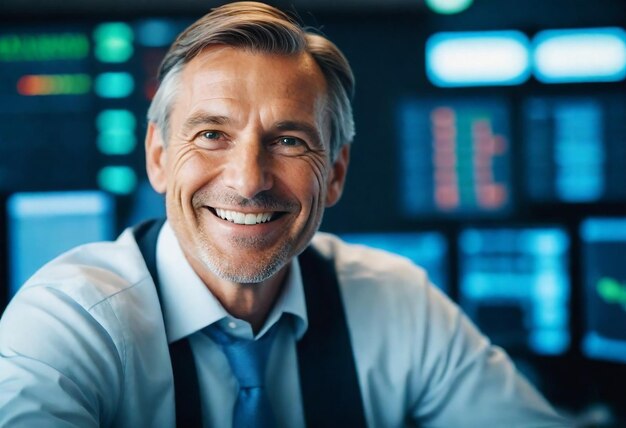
{"x":215,"y":87}
{"x":222,"y":64}
{"x":224,"y":77}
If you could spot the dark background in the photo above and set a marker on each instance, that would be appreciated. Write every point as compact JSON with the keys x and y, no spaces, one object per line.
{"x":384,"y":41}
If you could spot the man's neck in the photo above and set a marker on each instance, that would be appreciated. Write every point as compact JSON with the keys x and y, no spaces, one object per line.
{"x":249,"y":302}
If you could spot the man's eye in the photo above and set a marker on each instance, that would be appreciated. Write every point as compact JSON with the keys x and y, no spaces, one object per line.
{"x":211,"y":140}
{"x":290,"y":141}
{"x":212,"y":135}
{"x":289,"y":146}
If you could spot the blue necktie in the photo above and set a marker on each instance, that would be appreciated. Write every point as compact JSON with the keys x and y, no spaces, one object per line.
{"x":247,"y":359}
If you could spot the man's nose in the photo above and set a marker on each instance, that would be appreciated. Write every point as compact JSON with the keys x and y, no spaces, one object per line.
{"x":248,"y":171}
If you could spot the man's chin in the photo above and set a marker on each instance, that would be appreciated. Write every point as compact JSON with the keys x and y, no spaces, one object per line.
{"x":245,"y":272}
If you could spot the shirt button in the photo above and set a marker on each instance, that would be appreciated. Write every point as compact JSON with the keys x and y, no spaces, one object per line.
{"x":232,"y":325}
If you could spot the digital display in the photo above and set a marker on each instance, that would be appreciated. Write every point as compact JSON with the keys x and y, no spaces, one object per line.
{"x":73,"y":98}
{"x":514,"y":283}
{"x":603,"y":250}
{"x":454,"y":158}
{"x":426,"y":249}
{"x":580,"y":55}
{"x":45,"y":109}
{"x":477,"y":58}
{"x":574,"y":149}
{"x":43,"y":225}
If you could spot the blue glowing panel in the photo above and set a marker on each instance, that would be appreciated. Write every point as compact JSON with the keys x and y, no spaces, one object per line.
{"x":426,"y":249}
{"x":574,"y":149}
{"x":604,"y":282}
{"x":44,"y":225}
{"x":581,"y":55}
{"x":477,"y":58}
{"x":158,"y":33}
{"x":514,"y":283}
{"x":454,"y":157}
{"x":448,"y":7}
{"x":45,"y":84}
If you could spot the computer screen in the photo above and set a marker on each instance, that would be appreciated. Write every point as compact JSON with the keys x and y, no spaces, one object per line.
{"x":514,"y":283}
{"x":454,"y":157}
{"x":604,"y":288}
{"x":426,"y":249}
{"x":73,"y":100}
{"x":43,"y":225}
{"x":574,"y":149}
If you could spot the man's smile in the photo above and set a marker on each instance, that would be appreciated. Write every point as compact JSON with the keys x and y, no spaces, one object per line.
{"x":238,"y":217}
{"x":244,"y":218}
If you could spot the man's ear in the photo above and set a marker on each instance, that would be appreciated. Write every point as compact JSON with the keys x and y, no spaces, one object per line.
{"x":337,"y":177}
{"x":155,"y":158}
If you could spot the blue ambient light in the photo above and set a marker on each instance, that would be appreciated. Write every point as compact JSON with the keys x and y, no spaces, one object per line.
{"x":585,"y":55}
{"x":42,"y":225}
{"x":478,"y":58}
{"x":448,"y":7}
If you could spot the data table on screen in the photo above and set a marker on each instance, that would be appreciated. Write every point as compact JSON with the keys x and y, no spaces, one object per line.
{"x":514,"y":283}
{"x":454,"y":157}
{"x":73,"y":99}
{"x":574,"y":149}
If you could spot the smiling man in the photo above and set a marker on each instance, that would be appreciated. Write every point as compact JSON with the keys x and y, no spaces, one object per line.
{"x":247,"y":169}
{"x":235,"y":311}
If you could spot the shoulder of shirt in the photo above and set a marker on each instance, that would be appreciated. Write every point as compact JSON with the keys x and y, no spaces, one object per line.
{"x":92,"y":273}
{"x":388,"y":297}
{"x":370,"y":267}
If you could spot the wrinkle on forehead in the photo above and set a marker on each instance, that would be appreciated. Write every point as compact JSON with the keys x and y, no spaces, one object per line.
{"x":229,"y":76}
{"x":218,"y":64}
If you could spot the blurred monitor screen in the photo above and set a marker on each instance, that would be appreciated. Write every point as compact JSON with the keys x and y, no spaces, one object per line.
{"x":73,"y":98}
{"x":574,"y":149}
{"x":44,"y":225}
{"x":514,"y":284}
{"x":454,"y":158}
{"x":426,"y":249}
{"x":604,"y":282}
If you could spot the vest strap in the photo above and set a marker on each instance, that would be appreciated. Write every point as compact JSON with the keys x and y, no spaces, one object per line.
{"x":186,"y":388}
{"x":328,"y":377}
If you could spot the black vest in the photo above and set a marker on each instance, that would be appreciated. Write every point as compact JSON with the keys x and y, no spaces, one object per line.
{"x":328,"y":378}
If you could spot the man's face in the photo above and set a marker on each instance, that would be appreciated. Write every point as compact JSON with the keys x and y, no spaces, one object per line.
{"x":246,"y":169}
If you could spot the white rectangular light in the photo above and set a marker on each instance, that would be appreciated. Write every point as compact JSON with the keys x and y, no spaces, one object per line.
{"x":481,"y":58}
{"x":581,"y":55}
{"x":42,"y":225}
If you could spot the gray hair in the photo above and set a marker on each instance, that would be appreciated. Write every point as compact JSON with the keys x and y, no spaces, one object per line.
{"x":259,"y":28}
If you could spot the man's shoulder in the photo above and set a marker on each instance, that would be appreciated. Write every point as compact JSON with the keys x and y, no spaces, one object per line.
{"x":370,"y":267}
{"x":91,"y":318}
{"x":92,"y":273}
{"x":99,"y":294}
{"x":380,"y":287}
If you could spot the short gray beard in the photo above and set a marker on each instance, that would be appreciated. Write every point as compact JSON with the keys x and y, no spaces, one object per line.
{"x":236,"y":274}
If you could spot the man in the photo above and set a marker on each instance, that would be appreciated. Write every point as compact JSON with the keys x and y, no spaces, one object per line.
{"x":249,"y":138}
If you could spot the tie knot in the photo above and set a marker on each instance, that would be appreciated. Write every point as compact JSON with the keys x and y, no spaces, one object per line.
{"x":247,"y":358}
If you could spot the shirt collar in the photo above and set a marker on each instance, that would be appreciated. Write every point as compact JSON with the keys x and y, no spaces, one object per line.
{"x":188,"y":305}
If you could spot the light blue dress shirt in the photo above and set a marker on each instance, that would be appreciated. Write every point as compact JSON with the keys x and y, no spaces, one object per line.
{"x":84,"y":344}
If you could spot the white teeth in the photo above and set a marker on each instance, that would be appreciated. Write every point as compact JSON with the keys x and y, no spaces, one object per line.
{"x":243,"y":218}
